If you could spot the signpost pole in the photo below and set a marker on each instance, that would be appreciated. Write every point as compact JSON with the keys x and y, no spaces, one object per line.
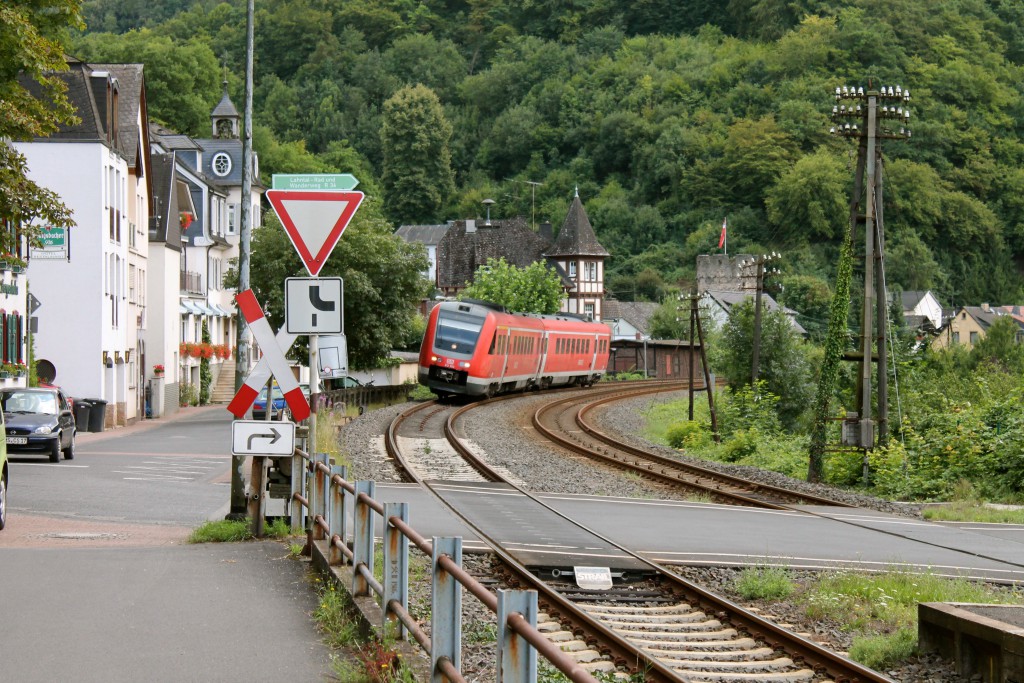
{"x":314,"y":391}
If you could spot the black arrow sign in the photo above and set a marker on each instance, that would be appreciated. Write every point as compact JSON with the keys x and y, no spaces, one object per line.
{"x":274,"y":438}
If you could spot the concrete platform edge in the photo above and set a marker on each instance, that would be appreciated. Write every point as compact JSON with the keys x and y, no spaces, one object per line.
{"x":369,"y":614}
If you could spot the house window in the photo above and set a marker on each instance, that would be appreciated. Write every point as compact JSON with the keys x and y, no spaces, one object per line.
{"x":588,"y":309}
{"x":974,"y":338}
{"x":591,"y":271}
{"x":232,"y":219}
{"x":572,"y":269}
{"x":956,"y":337}
{"x":221,"y":164}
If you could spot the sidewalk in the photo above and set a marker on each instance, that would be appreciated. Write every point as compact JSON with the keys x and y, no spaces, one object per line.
{"x":145,"y":424}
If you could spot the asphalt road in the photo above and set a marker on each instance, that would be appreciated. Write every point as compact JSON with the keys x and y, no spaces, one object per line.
{"x":98,"y":584}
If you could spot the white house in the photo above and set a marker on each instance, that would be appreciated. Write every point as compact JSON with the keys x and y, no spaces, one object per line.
{"x":86,"y":326}
{"x":919,"y":306}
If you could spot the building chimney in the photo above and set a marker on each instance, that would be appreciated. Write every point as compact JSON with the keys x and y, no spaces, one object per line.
{"x":546,"y":231}
{"x":470,"y":226}
{"x":985,"y":307}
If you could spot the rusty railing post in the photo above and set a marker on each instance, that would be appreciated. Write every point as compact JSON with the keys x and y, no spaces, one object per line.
{"x":362,"y":543}
{"x":445,"y":607}
{"x":396,"y":566}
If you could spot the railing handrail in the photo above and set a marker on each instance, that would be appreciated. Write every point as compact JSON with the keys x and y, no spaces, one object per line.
{"x":331,"y":485}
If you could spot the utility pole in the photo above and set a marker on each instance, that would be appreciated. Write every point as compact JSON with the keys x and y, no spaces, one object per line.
{"x":708,"y":384}
{"x":876,"y":114}
{"x":243,"y":335}
{"x":758,"y":264}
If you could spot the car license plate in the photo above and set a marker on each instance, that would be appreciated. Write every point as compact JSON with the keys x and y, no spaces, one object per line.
{"x":17,"y":440}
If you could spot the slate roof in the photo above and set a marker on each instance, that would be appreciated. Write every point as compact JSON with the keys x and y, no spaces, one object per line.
{"x":459,"y":253}
{"x":983,"y":317}
{"x":82,"y":95}
{"x":636,"y":313}
{"x":728,"y":299}
{"x":225,"y":107}
{"x":162,"y":227}
{"x":129,"y":98}
{"x":423,"y":234}
{"x":577,"y":238}
{"x":909,"y":299}
{"x":172,"y":140}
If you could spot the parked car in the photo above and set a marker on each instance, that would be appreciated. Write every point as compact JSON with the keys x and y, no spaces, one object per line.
{"x":3,"y":479}
{"x":38,"y":420}
{"x":259,"y":406}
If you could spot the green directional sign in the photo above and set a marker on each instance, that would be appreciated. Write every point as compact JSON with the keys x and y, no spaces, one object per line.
{"x":341,"y":182}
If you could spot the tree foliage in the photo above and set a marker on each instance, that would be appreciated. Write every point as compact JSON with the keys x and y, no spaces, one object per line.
{"x":417,"y":172}
{"x":31,"y":52}
{"x":381,"y":274}
{"x":534,"y":289}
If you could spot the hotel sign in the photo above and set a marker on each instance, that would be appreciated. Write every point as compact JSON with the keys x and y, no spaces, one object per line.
{"x":55,"y":244}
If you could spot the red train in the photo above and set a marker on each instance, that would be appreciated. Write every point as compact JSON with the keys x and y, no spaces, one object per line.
{"x":478,"y":349}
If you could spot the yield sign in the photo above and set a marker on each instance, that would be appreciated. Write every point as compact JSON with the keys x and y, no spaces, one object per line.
{"x":314,"y":221}
{"x":272,"y":363}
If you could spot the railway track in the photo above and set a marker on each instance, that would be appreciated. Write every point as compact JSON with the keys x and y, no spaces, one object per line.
{"x":666,"y":627}
{"x":566,"y":423}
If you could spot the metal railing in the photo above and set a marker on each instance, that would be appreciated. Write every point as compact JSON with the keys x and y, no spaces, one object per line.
{"x":318,"y":501}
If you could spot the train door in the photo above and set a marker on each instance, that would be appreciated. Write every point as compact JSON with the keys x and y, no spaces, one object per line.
{"x":502,"y":341}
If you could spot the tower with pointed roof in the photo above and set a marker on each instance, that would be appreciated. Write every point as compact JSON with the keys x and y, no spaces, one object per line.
{"x":581,"y":257}
{"x":225,"y":118}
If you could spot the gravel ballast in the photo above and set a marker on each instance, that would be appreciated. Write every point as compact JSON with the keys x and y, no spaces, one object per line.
{"x":504,"y":433}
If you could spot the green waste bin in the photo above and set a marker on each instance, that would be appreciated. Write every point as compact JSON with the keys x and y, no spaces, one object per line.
{"x":97,"y":414}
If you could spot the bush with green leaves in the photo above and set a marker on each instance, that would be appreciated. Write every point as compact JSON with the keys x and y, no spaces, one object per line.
{"x":689,"y":434}
{"x":747,"y":407}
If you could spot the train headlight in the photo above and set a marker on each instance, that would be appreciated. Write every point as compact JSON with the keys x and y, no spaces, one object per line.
{"x":433,"y":359}
{"x":463,"y":364}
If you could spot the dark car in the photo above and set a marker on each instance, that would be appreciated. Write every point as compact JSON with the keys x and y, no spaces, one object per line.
{"x":38,"y":420}
{"x":3,"y":480}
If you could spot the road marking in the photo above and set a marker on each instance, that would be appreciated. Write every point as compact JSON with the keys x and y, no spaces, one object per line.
{"x":44,"y":464}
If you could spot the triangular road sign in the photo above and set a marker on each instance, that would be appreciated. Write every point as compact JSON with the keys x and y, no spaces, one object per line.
{"x":314,"y":221}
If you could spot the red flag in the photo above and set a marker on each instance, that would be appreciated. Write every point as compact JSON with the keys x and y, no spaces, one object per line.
{"x":721,"y":240}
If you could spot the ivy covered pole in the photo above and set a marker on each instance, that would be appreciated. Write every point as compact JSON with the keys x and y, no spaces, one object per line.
{"x":867,"y":116}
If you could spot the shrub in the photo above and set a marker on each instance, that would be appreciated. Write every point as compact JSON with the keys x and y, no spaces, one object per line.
{"x":879,"y":652}
{"x":764,"y":583}
{"x":689,"y":434}
{"x":188,"y":394}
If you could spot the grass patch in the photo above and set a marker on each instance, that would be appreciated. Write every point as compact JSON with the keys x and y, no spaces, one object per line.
{"x":234,"y":530}
{"x":965,"y":511}
{"x":765,"y":583}
{"x":333,"y":616}
{"x":222,"y":531}
{"x":881,"y":609}
{"x":421,"y":393}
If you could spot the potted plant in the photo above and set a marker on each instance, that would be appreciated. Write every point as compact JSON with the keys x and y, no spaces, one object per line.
{"x":158,"y":370}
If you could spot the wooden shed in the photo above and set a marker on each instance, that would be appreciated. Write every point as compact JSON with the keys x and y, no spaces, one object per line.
{"x":662,"y":358}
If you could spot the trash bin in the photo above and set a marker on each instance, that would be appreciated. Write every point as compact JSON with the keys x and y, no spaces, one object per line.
{"x":97,"y":414}
{"x":82,"y":409}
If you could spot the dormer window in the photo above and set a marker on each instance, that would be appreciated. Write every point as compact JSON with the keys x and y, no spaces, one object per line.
{"x":221,"y":164}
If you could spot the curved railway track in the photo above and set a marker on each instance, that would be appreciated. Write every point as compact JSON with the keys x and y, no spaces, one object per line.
{"x":565,"y":422}
{"x":667,"y":628}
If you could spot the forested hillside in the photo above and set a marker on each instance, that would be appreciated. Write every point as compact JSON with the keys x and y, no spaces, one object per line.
{"x":668,"y":116}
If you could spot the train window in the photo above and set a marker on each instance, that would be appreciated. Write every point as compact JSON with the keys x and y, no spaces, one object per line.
{"x":457,"y":333}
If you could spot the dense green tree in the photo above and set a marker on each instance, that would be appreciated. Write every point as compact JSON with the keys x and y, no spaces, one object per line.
{"x":810,"y":297}
{"x":784,"y":366}
{"x":811,"y":200}
{"x":31,"y":51}
{"x":183,"y":79}
{"x":534,"y":289}
{"x":417,"y":172}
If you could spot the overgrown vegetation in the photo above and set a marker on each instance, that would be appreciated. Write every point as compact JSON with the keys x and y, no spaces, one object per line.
{"x":879,"y":611}
{"x":231,"y":530}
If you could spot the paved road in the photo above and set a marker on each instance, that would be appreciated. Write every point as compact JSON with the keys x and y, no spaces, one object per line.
{"x":97,"y":583}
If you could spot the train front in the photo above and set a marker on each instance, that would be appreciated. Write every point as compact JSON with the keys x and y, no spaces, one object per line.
{"x":451,"y":341}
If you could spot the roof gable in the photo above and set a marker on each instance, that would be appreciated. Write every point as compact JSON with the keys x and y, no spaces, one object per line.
{"x":460,"y":253}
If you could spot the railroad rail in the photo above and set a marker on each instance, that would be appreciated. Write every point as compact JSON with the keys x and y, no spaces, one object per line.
{"x":682,"y":633}
{"x":551,"y":421}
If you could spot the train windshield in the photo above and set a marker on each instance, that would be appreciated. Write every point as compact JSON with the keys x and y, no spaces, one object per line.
{"x":457,"y":333}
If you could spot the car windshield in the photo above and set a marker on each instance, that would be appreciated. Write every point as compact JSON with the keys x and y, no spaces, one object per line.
{"x":277,"y":393}
{"x":38,"y":402}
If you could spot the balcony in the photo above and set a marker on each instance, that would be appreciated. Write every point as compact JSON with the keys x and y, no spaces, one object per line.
{"x":191,"y":282}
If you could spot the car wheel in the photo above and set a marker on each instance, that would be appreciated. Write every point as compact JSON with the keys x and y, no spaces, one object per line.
{"x":69,"y":452}
{"x":55,"y":450}
{"x":3,"y":502}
